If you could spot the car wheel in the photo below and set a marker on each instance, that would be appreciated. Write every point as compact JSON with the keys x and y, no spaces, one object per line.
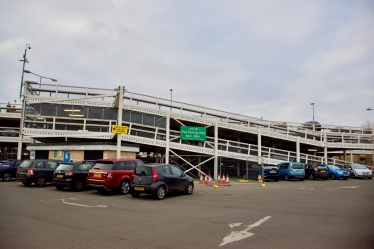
{"x":78,"y":186}
{"x":301,"y":179}
{"x":134,"y":194}
{"x":101,"y":190}
{"x":311,"y":177}
{"x":370,"y":177}
{"x":40,"y":181}
{"x":189,"y":189}
{"x":325,"y":178}
{"x":26,"y":184}
{"x":125,"y":187}
{"x":286,"y":177}
{"x":7,"y":177}
{"x":59,"y":187}
{"x":353,"y":175}
{"x":333,"y":177}
{"x":345,"y":178}
{"x":161,"y":192}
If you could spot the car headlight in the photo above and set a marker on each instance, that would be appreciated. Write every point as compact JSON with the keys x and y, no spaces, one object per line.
{"x":359,"y":173}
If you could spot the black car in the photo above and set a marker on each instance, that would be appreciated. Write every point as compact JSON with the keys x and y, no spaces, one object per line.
{"x":314,"y":171}
{"x":8,"y":169}
{"x":159,"y":179}
{"x":38,"y":171}
{"x":269,"y":172}
{"x":72,"y":175}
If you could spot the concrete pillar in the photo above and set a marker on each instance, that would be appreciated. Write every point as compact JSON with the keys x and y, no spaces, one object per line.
{"x":119,"y":104}
{"x":215,"y":151}
{"x":297,"y":149}
{"x":167,"y":138}
{"x":259,"y":153}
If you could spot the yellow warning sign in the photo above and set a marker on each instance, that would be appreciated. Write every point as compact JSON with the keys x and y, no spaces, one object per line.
{"x":118,"y":129}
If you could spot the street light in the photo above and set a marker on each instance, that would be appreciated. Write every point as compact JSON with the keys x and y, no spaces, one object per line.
{"x":369,"y":109}
{"x":23,"y":67}
{"x":313,"y":111}
{"x":41,"y":77}
{"x":171,"y":98}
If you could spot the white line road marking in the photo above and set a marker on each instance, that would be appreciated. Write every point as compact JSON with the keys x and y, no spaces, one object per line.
{"x":239,"y":235}
{"x":349,"y":187}
{"x":83,"y":205}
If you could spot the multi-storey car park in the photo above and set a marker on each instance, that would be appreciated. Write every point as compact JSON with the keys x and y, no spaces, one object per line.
{"x":55,"y":114}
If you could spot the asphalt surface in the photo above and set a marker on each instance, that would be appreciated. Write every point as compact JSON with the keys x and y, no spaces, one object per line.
{"x":296,"y":214}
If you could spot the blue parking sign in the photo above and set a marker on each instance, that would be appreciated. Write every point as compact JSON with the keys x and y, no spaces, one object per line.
{"x":66,"y":156}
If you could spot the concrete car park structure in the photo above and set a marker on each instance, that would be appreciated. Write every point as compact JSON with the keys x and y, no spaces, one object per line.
{"x":60,"y":114}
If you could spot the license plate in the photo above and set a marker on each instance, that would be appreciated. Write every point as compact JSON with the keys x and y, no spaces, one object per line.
{"x":299,"y":171}
{"x":20,"y":176}
{"x":273,"y":171}
{"x":97,"y":174}
{"x":60,"y":176}
{"x":139,"y":188}
{"x":323,"y":171}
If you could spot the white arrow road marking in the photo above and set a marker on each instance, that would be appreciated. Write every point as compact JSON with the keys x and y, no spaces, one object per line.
{"x":83,"y":205}
{"x":235,"y":224}
{"x":239,"y":235}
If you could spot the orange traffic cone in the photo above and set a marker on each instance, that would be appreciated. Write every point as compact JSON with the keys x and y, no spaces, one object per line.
{"x":201,"y":179}
{"x":209,"y":180}
{"x":227,"y":182}
{"x":206,"y":179}
{"x":219,"y":179}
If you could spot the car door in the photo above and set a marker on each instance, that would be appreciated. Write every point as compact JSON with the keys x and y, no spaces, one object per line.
{"x":181,"y":180}
{"x":50,"y":169}
{"x":169,"y":177}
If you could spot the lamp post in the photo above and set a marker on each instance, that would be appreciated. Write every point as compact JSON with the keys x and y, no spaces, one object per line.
{"x":41,"y":77}
{"x":171,"y":98}
{"x":23,"y":68}
{"x":313,"y":114}
{"x":369,"y":109}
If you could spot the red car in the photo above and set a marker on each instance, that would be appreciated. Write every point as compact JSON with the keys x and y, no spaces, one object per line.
{"x":113,"y":174}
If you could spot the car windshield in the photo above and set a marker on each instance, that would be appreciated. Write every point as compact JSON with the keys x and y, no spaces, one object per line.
{"x":298,"y":166}
{"x":65,"y":167}
{"x":358,"y":166}
{"x":321,"y":167}
{"x":270,"y":167}
{"x":143,"y":171}
{"x":25,"y":164}
{"x":334,"y":167}
{"x":103,"y":165}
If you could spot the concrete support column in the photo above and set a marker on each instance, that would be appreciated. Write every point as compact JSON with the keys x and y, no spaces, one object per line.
{"x":259,"y":153}
{"x":325,"y":149}
{"x":215,"y":173}
{"x":167,"y":138}
{"x":119,"y":103}
{"x":238,"y":164}
{"x":198,"y":162}
{"x":298,"y":149}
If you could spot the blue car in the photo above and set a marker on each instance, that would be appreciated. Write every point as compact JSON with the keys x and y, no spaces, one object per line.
{"x":337,"y":173}
{"x":291,"y":170}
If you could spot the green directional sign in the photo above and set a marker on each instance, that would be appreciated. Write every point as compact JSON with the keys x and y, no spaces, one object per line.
{"x":193,"y":133}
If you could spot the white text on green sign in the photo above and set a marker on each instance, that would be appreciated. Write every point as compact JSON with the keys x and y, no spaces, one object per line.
{"x":193,"y":133}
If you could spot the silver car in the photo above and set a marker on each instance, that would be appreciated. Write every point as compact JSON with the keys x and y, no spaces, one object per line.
{"x":359,"y":171}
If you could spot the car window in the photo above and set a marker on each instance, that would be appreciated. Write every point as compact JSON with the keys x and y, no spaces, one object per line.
{"x":39,"y":165}
{"x":138,"y":163}
{"x":52,"y":165}
{"x":84,"y":167}
{"x":121,"y":166}
{"x":176,"y":171}
{"x":143,"y":171}
{"x":165,"y":170}
{"x":103,"y":165}
{"x":298,"y":166}
{"x":65,"y":167}
{"x":25,"y":164}
{"x":129,"y":165}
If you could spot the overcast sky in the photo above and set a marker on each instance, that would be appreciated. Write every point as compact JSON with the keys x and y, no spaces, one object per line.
{"x":268,"y":59}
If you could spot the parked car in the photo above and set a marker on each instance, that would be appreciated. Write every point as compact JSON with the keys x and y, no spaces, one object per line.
{"x":160,"y":179}
{"x":72,"y":175}
{"x":38,"y":171}
{"x":113,"y":174}
{"x":336,"y":172}
{"x":314,"y":171}
{"x":271,"y":172}
{"x":358,"y":171}
{"x":291,"y":170}
{"x":8,"y":169}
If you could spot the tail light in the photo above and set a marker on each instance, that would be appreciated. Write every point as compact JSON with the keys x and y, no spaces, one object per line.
{"x":315,"y":168}
{"x":154,"y":175}
{"x":30,"y":171}
{"x":291,"y":168}
{"x":69,"y":173}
